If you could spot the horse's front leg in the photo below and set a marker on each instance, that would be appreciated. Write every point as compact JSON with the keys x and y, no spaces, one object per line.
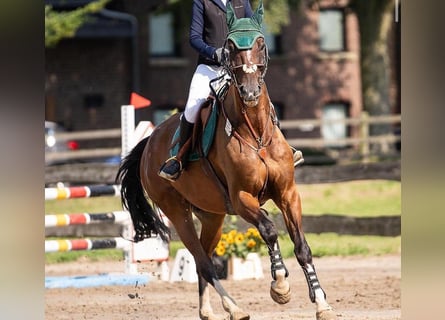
{"x":250,"y":210}
{"x":290,"y":205}
{"x":210,"y":234}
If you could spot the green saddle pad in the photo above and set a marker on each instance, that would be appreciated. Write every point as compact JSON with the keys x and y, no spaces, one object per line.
{"x":207,"y":137}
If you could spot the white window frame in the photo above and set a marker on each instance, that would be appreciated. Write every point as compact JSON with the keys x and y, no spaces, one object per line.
{"x":332,"y":131}
{"x":331,"y":29}
{"x":161,"y":35}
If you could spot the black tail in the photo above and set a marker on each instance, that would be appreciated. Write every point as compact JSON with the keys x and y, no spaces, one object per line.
{"x":145,"y":220}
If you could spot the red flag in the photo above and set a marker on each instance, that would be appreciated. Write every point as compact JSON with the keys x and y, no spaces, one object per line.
{"x":139,"y":101}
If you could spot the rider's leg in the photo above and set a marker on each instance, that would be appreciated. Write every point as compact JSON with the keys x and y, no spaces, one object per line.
{"x":171,"y":170}
{"x":198,"y":93}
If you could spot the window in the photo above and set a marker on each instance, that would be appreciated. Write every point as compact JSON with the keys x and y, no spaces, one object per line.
{"x":332,"y":131}
{"x":331,"y":30}
{"x":161,"y":35}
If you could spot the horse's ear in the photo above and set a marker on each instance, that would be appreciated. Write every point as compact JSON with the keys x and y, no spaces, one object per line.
{"x":230,"y":15}
{"x":258,"y":14}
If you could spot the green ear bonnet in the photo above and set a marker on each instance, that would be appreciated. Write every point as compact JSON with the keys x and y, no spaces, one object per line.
{"x":244,"y":32}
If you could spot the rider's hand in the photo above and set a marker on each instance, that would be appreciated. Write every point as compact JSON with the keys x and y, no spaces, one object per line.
{"x":218,"y":55}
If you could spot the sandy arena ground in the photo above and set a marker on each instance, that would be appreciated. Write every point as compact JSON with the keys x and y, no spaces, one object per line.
{"x":356,"y":287}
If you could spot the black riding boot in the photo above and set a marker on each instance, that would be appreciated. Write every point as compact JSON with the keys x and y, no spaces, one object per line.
{"x":172,"y":168}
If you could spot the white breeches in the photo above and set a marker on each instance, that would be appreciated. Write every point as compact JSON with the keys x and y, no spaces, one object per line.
{"x":199,"y":89}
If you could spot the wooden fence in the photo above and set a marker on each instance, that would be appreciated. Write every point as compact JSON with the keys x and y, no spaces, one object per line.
{"x":362,"y":142}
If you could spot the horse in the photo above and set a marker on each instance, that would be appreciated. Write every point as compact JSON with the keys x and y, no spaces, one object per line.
{"x":248,"y":163}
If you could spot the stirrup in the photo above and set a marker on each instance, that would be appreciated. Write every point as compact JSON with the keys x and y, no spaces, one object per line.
{"x":297,"y":157}
{"x":171,"y":176}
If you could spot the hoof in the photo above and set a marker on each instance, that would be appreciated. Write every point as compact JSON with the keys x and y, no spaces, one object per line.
{"x":326,"y":315}
{"x":280,"y":294}
{"x":211,"y":316}
{"x":239,"y":315}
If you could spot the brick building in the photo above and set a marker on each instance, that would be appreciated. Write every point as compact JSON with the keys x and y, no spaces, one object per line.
{"x":314,"y":69}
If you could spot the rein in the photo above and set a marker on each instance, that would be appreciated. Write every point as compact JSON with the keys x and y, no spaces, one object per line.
{"x":259,"y":139}
{"x":230,"y":70}
{"x":260,"y":149}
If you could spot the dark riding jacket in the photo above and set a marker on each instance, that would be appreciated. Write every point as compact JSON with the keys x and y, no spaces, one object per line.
{"x":208,"y":28}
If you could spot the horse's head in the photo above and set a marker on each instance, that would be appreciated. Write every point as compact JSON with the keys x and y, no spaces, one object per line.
{"x":247,"y":59}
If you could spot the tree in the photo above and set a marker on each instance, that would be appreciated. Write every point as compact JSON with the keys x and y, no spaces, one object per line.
{"x":375,"y":18}
{"x":64,"y":24}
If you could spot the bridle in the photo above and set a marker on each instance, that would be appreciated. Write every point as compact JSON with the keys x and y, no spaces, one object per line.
{"x":231,"y":69}
{"x":261,"y":141}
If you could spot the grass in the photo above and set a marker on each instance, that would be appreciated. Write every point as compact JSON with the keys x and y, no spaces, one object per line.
{"x":90,"y":205}
{"x":96,"y":255}
{"x":332,"y":244}
{"x":354,"y":198}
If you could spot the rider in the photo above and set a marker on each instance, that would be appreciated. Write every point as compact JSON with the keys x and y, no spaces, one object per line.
{"x":208,"y":31}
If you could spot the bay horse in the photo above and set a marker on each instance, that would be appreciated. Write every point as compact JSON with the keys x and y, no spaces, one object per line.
{"x":248,"y":163}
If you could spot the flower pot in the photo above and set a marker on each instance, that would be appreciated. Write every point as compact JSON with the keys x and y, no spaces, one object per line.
{"x":242,"y":269}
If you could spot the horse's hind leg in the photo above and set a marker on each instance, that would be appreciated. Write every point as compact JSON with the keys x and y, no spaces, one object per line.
{"x":291,"y":208}
{"x":210,"y":235}
{"x":209,"y":238}
{"x":180,"y":214}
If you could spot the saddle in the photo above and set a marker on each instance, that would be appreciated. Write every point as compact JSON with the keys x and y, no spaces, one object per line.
{"x":203,"y":131}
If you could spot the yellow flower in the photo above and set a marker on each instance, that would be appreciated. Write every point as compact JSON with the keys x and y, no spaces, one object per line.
{"x":250,"y":232}
{"x":251,"y":243}
{"x":239,"y":244}
{"x":222,"y":243}
{"x":256,"y":233}
{"x":220,"y":250}
{"x":239,"y":238}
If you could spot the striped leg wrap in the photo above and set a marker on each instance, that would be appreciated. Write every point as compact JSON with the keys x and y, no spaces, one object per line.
{"x":276,"y":262}
{"x":313,"y":283}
